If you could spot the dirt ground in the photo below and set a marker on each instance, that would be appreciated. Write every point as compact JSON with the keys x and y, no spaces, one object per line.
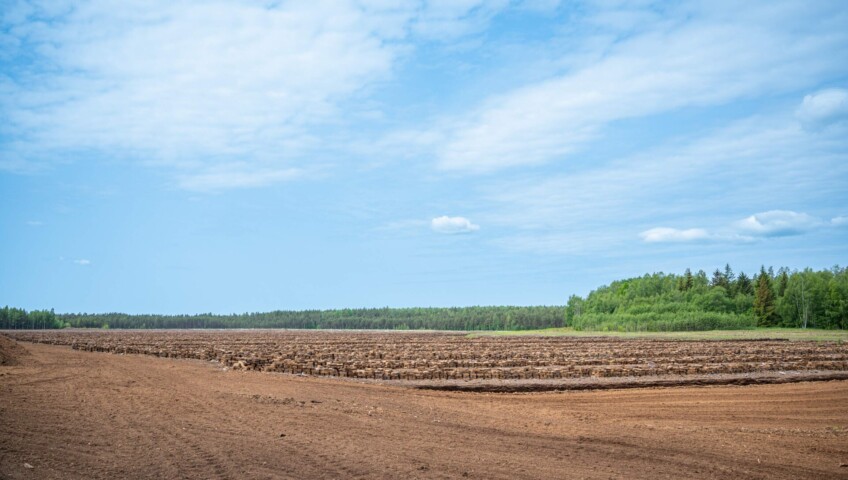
{"x":70,"y":414}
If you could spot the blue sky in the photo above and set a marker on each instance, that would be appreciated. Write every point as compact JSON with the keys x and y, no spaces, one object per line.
{"x":184,"y":157}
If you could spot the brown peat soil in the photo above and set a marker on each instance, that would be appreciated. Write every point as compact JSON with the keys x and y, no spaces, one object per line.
{"x":453,"y":360}
{"x":72,"y":414}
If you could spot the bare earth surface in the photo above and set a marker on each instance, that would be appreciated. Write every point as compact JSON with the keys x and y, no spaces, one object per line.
{"x":72,"y":414}
{"x":452,"y":360}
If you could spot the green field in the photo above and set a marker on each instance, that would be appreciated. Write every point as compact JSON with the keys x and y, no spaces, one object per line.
{"x":759,"y":333}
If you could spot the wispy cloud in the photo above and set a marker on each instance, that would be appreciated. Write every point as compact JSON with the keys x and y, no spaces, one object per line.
{"x":739,"y":166}
{"x":193,"y":78}
{"x":451,"y":225}
{"x":35,"y":223}
{"x":82,"y":261}
{"x":765,"y":225}
{"x":256,"y":90}
{"x":692,"y":56}
{"x":449,"y":20}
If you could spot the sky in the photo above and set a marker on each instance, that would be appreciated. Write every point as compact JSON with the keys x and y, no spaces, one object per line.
{"x":206,"y":156}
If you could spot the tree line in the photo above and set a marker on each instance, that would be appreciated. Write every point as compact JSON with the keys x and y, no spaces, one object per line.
{"x":459,"y":318}
{"x":18,"y":318}
{"x":723,"y":300}
{"x":653,"y":302}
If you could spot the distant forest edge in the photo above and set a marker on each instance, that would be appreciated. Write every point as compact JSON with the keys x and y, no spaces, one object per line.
{"x":653,"y":302}
{"x":722,"y":301}
{"x":460,"y":318}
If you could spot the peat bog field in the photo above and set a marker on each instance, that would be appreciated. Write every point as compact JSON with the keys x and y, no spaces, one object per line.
{"x":455,"y":361}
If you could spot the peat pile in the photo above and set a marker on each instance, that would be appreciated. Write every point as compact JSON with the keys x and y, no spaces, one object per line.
{"x":453,"y":361}
{"x":10,"y":352}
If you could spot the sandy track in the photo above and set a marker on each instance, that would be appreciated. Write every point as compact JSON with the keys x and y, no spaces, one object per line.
{"x":72,"y":414}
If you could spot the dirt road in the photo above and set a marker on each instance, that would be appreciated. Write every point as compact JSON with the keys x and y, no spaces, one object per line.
{"x":69,"y":414}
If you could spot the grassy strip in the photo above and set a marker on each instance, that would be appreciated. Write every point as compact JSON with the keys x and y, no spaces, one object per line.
{"x":751,"y":334}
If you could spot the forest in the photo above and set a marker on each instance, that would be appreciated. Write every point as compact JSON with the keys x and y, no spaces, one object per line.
{"x":654,"y":302}
{"x":459,"y":318}
{"x":18,"y":318}
{"x":723,"y":300}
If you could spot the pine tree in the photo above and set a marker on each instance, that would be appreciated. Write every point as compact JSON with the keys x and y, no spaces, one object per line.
{"x":719,"y":280}
{"x":782,"y":282}
{"x":701,"y":279}
{"x":730,"y":278}
{"x":764,"y":301}
{"x":728,"y":273}
{"x":686,"y":282}
{"x":743,"y":285}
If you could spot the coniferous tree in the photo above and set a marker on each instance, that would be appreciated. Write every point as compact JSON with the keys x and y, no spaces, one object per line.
{"x":730,"y":278}
{"x":728,"y":273}
{"x":782,"y":282}
{"x":743,"y":285}
{"x":719,"y":280}
{"x":688,"y":280}
{"x":764,"y":301}
{"x":701,"y":279}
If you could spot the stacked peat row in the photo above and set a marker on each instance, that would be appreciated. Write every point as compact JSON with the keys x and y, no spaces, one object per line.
{"x":447,"y":356}
{"x":442,"y":372}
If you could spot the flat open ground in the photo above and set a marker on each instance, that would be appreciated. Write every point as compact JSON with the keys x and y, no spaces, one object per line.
{"x":77,"y":414}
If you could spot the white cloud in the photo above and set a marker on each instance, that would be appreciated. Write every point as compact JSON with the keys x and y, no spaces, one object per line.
{"x":35,"y":223}
{"x":655,"y":187}
{"x":82,"y":261}
{"x":824,"y":107}
{"x":199,"y":78}
{"x":609,"y":193}
{"x":663,"y":235}
{"x":445,"y":224}
{"x":774,"y":223}
{"x":240,"y":86}
{"x":710,"y":59}
{"x":778,"y":223}
{"x":839,"y":221}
